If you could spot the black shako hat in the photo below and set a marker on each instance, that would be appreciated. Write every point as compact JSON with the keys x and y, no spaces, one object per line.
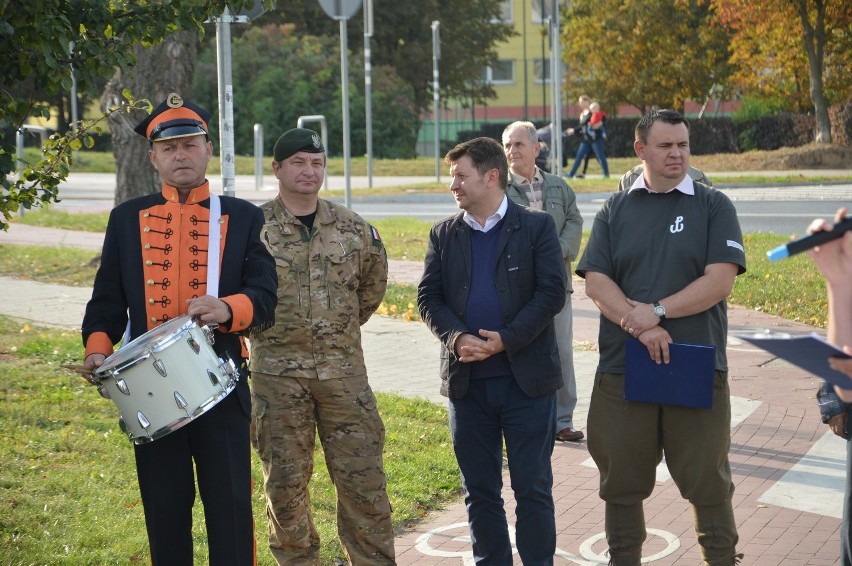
{"x":295,"y":140}
{"x":175,"y":117}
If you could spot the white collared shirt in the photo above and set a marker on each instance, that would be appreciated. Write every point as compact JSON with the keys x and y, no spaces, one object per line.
{"x":685,"y":186}
{"x":491,"y":220}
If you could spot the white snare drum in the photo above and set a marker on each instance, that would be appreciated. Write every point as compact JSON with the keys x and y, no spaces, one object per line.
{"x":165,"y":378}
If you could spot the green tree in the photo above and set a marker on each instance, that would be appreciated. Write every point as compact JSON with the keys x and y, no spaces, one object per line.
{"x":41,"y":42}
{"x":402,"y":40}
{"x":796,"y":50}
{"x":280,"y":76}
{"x":651,"y":53}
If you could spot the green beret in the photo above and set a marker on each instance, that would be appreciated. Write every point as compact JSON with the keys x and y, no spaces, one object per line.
{"x":295,"y":140}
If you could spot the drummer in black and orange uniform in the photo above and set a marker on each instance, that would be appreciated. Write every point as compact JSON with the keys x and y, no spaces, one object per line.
{"x":154,"y":267}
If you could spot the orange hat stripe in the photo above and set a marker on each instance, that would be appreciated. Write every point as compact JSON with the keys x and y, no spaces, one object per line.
{"x":173,"y":114}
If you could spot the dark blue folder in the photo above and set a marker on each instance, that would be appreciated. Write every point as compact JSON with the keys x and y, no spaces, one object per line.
{"x":687,"y":380}
{"x":807,"y":351}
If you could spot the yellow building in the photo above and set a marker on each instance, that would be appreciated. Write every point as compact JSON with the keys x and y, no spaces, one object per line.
{"x":520,"y":77}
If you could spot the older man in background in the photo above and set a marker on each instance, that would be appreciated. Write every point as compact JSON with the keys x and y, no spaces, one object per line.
{"x":531,"y":187}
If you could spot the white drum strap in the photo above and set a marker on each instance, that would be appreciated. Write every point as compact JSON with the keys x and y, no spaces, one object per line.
{"x":213,"y":246}
{"x":212,"y":258}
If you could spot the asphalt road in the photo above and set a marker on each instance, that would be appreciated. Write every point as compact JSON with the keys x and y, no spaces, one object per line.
{"x":783,"y":209}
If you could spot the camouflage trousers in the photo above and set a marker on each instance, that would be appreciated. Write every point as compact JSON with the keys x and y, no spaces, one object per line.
{"x":286,"y":414}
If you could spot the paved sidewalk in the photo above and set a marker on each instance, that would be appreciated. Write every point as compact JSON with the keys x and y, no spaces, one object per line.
{"x":788,"y":467}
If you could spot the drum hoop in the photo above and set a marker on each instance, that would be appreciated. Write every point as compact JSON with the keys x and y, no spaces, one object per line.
{"x":158,"y":346}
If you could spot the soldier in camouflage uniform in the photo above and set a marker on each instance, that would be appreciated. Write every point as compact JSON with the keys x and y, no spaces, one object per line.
{"x":308,"y":372}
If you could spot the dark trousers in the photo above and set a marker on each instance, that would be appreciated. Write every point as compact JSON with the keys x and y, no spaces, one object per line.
{"x":491,"y":410}
{"x":585,"y":148}
{"x":218,"y":443}
{"x":628,"y":439}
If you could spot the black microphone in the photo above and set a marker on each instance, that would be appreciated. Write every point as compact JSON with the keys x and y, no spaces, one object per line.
{"x":808,"y":242}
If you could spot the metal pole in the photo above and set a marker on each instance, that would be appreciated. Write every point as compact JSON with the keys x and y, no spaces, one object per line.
{"x":74,"y":116}
{"x":19,"y":149}
{"x":226,"y":102}
{"x":258,"y":157}
{"x":526,"y":65}
{"x":344,"y":78}
{"x":557,"y":89}
{"x":554,"y":127}
{"x":545,"y":30}
{"x":300,"y":123}
{"x":436,"y":97}
{"x":73,"y":101}
{"x":368,"y":86}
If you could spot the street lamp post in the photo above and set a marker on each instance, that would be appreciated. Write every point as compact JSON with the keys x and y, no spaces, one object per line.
{"x":342,"y":10}
{"x":556,"y":79}
{"x":226,"y":102}
{"x":368,"y":86}
{"x":436,"y":96}
{"x":545,"y":71}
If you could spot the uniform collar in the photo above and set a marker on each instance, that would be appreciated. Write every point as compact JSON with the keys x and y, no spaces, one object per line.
{"x":324,"y":212}
{"x":196,"y":195}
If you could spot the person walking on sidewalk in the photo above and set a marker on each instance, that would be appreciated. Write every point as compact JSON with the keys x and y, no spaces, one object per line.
{"x":308,"y":371}
{"x":669,"y":285}
{"x":152,"y":250}
{"x":493,"y":280}
{"x":531,"y":187}
{"x":588,"y":142}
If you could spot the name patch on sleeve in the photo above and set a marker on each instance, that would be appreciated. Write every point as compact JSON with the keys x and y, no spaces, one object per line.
{"x":737,"y":245}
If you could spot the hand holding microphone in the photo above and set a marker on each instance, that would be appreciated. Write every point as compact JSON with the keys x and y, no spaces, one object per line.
{"x":833,"y":255}
{"x":820,"y":231}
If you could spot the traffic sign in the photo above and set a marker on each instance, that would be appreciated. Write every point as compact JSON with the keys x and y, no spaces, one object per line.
{"x":340,"y":9}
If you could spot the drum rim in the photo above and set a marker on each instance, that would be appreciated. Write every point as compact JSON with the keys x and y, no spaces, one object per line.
{"x":111,"y":363}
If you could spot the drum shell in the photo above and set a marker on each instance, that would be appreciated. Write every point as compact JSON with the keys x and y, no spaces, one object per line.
{"x":165,"y":378}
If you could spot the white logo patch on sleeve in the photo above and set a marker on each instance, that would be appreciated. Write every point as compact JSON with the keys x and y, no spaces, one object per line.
{"x":737,"y":245}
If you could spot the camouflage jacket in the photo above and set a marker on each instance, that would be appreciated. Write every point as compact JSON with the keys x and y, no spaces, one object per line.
{"x":330,"y":280}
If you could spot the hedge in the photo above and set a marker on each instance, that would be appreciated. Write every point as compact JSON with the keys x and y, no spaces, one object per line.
{"x":709,"y":135}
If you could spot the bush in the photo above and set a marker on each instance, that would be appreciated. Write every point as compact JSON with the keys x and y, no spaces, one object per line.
{"x":783,"y":130}
{"x":708,"y":135}
{"x":751,"y":110}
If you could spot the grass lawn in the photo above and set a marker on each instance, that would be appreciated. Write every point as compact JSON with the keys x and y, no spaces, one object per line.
{"x":68,"y":483}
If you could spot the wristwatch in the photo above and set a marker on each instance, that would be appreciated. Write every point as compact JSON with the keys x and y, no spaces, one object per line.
{"x":659,"y":310}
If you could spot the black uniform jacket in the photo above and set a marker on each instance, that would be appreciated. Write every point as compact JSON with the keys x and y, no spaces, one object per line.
{"x":154,"y":258}
{"x":530,"y":278}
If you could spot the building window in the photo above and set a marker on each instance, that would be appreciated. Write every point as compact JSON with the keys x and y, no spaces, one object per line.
{"x":541,"y":9}
{"x":541,"y":70}
{"x":502,"y":72}
{"x":506,"y":16}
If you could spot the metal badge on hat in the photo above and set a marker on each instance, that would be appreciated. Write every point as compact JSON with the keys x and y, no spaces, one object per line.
{"x":174,"y":100}
{"x":316,"y":140}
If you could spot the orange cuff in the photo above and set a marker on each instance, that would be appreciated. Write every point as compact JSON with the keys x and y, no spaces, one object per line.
{"x":242,"y":310}
{"x":98,"y":343}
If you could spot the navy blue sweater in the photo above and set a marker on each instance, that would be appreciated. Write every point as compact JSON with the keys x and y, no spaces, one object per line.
{"x":483,"y":304}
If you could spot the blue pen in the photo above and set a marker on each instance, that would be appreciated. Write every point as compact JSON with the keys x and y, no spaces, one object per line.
{"x":808,"y":242}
